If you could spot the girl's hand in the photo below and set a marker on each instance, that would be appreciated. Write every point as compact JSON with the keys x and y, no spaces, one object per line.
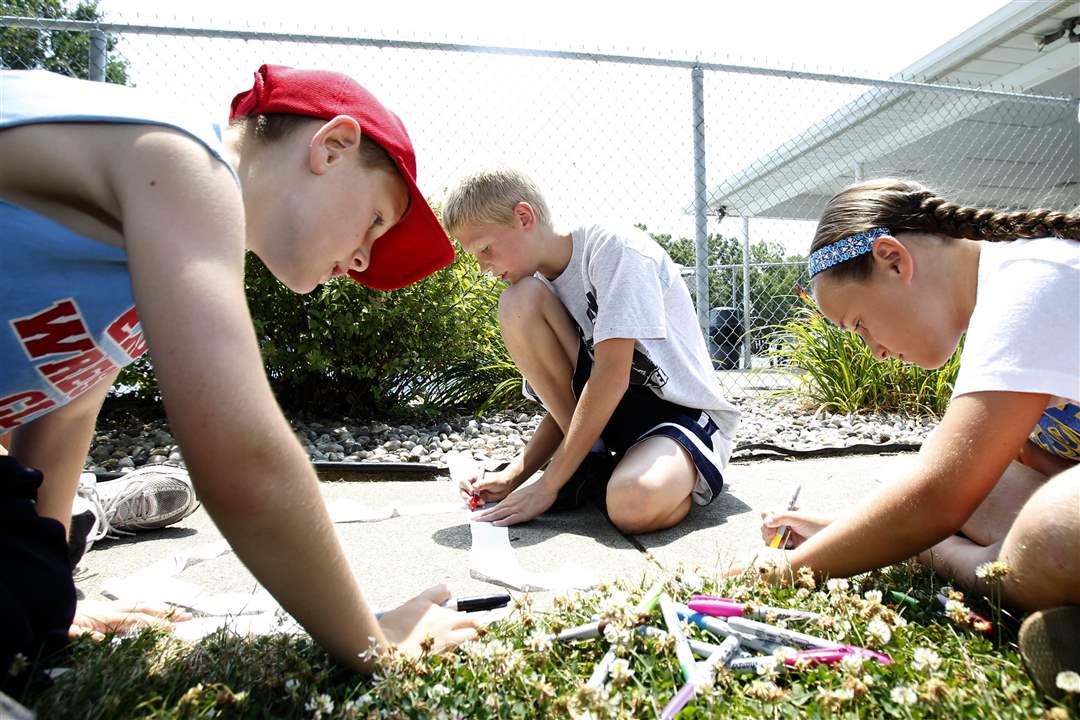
{"x":97,"y":619}
{"x":802,"y":525}
{"x":422,"y":626}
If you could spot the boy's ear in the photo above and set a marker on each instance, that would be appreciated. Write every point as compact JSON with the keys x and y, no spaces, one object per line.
{"x":891,"y":256}
{"x":335,"y":140}
{"x":524,"y":215}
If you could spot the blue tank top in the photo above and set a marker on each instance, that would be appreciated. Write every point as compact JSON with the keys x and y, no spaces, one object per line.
{"x":67,"y":313}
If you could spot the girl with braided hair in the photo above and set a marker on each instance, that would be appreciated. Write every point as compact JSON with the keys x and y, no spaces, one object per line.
{"x":999,"y":479}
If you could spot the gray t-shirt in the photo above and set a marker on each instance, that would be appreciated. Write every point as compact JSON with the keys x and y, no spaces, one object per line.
{"x":620,"y":283}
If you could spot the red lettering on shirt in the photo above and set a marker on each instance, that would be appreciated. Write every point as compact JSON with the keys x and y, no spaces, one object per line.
{"x":76,"y":375}
{"x":127,"y":332}
{"x":15,"y":407}
{"x":58,"y":329}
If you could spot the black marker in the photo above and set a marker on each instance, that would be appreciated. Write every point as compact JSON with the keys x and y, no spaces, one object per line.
{"x":469,"y":604}
{"x":477,"y":603}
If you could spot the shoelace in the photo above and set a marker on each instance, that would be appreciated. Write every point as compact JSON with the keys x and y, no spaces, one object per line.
{"x":138,"y":507}
{"x":103,"y":528}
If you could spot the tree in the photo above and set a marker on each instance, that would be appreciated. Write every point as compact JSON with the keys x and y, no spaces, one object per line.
{"x":62,"y":51}
{"x":772,"y":300}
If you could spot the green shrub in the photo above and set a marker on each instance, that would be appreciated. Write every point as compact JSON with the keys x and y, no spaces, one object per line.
{"x":344,"y":347}
{"x":837,"y":371}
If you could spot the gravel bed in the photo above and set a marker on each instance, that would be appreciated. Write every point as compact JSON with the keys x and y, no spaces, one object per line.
{"x":124,"y":442}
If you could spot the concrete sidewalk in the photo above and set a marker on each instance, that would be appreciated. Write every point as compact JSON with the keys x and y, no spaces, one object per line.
{"x":397,"y":558}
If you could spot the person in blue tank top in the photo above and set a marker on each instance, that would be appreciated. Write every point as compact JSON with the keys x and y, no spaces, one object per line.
{"x":124,"y":223}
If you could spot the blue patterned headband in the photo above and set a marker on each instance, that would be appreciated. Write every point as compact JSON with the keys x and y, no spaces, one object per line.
{"x":844,"y":249}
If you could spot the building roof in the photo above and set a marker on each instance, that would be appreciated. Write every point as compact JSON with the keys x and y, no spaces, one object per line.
{"x":1000,"y":150}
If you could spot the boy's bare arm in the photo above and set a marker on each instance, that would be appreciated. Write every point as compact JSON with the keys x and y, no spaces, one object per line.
{"x":605,"y":388}
{"x":56,"y":444}
{"x":603,"y":391}
{"x":183,"y":223}
{"x":538,"y":450}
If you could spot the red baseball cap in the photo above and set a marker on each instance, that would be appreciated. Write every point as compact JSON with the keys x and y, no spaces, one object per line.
{"x":417,"y":245}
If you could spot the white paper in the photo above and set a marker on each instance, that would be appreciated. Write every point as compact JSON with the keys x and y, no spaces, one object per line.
{"x":492,"y":559}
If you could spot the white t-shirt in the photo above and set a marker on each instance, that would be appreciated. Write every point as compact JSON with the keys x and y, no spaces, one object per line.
{"x":1024,"y":334}
{"x":620,"y":283}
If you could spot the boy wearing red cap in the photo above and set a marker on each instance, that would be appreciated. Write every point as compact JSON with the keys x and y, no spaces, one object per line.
{"x":603,"y":329}
{"x":125,"y":222}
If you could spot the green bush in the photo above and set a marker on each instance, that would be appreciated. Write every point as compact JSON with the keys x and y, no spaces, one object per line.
{"x":344,"y":347}
{"x":837,"y":371}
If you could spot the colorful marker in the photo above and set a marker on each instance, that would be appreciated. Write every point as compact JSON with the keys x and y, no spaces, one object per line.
{"x":781,"y":537}
{"x":904,"y":598}
{"x":702,"y":675}
{"x":809,"y":658}
{"x":977,"y":621}
{"x":701,"y":649}
{"x":644,"y":607}
{"x":723,"y":629}
{"x":682,"y":648}
{"x":475,"y":502}
{"x":726,"y":607}
{"x":775,"y":634}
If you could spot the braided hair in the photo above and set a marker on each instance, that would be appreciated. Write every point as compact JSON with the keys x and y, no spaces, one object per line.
{"x":906,"y":206}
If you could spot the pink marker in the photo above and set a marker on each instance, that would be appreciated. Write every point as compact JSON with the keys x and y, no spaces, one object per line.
{"x":726,"y":607}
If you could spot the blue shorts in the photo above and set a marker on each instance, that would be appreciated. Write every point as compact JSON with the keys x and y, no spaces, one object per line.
{"x":1058,"y":431}
{"x":642,"y":414}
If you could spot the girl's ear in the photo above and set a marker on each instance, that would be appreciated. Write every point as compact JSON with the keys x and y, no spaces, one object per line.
{"x":335,"y":140}
{"x":893,"y":257}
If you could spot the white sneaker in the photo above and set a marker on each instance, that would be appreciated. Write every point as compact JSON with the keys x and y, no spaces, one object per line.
{"x":150,"y":497}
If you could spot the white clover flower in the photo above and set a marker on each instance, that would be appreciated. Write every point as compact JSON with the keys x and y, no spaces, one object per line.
{"x":687,"y":628}
{"x":852,"y":663}
{"x":1069,"y":681}
{"x":620,"y":672}
{"x":438,"y":692}
{"x":837,"y":585}
{"x":903,"y":695}
{"x":837,"y":696}
{"x":618,"y":600}
{"x":783,"y":653}
{"x":957,"y":611}
{"x":768,"y":666}
{"x":994,"y":570}
{"x":879,"y":630}
{"x":899,"y":621}
{"x":292,"y":685}
{"x":319,"y":705}
{"x":926,"y":660}
{"x":691,"y":581}
{"x":874,"y":596}
{"x":539,"y":642}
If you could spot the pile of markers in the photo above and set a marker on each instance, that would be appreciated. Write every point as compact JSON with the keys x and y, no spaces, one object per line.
{"x":742,"y":638}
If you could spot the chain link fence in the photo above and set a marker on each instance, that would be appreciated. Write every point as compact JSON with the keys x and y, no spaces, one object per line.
{"x":727,"y":165}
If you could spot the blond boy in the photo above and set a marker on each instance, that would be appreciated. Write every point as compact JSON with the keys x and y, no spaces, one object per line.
{"x":604,"y":332}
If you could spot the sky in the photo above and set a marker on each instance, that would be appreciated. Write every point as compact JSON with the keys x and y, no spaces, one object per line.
{"x":871,"y":37}
{"x":606,"y":142}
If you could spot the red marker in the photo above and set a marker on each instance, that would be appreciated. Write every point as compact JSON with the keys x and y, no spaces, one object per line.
{"x":474,"y":502}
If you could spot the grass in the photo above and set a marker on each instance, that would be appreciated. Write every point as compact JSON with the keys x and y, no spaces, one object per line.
{"x":941,"y":669}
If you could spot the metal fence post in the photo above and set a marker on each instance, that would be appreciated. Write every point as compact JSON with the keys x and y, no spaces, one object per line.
{"x":701,"y":247}
{"x":97,"y":55}
{"x":746,"y":291}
